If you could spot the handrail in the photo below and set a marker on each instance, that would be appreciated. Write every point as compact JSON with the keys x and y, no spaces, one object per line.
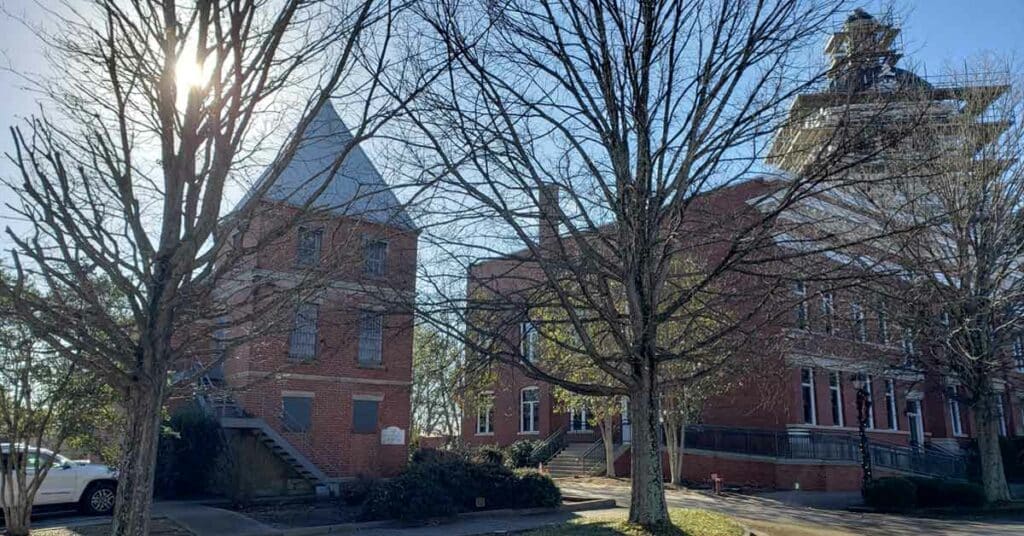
{"x":551,"y":445}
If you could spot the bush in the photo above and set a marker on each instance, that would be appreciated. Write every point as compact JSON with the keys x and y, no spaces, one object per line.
{"x":442,"y":485}
{"x":933,"y":492}
{"x":891,"y":494}
{"x":490,"y":454}
{"x":189,"y":445}
{"x":534,"y":488}
{"x":431,"y":455}
{"x":357,"y":491}
{"x":520,"y":453}
{"x":1012,"y":449}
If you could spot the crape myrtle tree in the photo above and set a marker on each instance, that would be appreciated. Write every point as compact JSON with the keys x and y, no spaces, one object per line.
{"x":44,"y":399}
{"x":628,"y":130}
{"x":964,"y":286}
{"x":158,"y":109}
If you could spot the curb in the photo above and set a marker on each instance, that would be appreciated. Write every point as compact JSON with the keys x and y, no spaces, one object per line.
{"x":595,"y":504}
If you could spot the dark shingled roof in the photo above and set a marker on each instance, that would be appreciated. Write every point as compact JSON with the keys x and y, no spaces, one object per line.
{"x":356,"y":190}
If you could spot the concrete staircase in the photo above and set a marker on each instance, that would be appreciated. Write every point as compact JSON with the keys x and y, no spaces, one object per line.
{"x":570,"y":462}
{"x":231,"y":415}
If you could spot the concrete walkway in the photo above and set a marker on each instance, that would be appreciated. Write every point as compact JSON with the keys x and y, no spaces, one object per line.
{"x":794,"y":510}
{"x":204,"y":520}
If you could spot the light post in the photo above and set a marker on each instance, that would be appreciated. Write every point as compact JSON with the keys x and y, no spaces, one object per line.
{"x":860,"y":383}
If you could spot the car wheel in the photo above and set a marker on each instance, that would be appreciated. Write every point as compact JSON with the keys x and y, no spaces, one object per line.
{"x":99,"y":498}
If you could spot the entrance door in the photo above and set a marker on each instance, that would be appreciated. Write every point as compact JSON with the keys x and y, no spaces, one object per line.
{"x":627,"y":430}
{"x":916,"y":423}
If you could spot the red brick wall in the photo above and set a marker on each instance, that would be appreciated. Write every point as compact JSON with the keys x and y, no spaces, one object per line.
{"x":261,"y":370}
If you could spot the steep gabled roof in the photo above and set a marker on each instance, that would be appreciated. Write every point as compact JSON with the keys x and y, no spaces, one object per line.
{"x":356,"y":190}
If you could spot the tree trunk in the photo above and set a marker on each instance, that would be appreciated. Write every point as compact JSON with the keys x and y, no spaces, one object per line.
{"x":608,"y":437}
{"x":647,"y":505}
{"x":674,"y":429}
{"x":17,"y":519}
{"x":993,"y":477}
{"x":138,"y":463}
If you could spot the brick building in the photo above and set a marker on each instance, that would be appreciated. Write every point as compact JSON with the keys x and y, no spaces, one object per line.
{"x":794,"y":422}
{"x":325,"y":383}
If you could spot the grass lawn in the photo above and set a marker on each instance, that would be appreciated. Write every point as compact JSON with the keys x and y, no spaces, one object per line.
{"x":686,"y":522}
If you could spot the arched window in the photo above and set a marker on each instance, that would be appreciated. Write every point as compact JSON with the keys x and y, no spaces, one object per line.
{"x":529,"y":410}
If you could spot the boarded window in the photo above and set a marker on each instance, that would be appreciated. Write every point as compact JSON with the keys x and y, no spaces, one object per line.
{"x":371,"y":332}
{"x":375,"y":254}
{"x":364,"y":416}
{"x":310,"y":241}
{"x":297,"y":413}
{"x":302,"y":343}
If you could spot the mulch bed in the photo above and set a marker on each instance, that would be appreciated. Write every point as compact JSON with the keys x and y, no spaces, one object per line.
{"x":302,"y":514}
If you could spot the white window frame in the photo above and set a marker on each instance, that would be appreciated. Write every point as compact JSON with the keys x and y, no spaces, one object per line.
{"x":800,"y":289}
{"x":533,"y":407}
{"x":373,"y":266}
{"x":828,"y":312}
{"x":891,"y":410}
{"x":809,"y":385}
{"x":835,"y":398}
{"x":1018,"y":352}
{"x":860,"y":330}
{"x":528,"y":338}
{"x":585,"y":416}
{"x":485,"y":414}
{"x":955,"y":419}
{"x":883,"y":324}
{"x":1004,"y":430}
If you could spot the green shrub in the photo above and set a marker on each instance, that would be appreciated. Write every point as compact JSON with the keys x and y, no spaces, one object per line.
{"x":935,"y":492}
{"x":189,"y":445}
{"x":357,"y":491}
{"x":431,"y":455}
{"x":534,"y":488}
{"x":490,"y":454}
{"x":442,"y":485}
{"x":891,"y":493}
{"x":520,"y":453}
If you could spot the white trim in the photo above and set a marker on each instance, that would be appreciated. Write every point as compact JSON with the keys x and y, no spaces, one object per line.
{"x":299,"y":394}
{"x":836,"y":406}
{"x":809,"y":385}
{"x":892,"y":405}
{"x":534,"y":410}
{"x":369,"y":397}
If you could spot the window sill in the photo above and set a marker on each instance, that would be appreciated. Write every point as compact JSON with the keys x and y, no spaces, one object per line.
{"x":581,"y":431}
{"x":488,"y":434}
{"x":371,"y":432}
{"x":370,"y":367}
{"x":528,"y":433}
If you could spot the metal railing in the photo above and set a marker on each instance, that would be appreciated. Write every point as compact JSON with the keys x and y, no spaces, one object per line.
{"x":551,"y":446}
{"x":593,"y":458}
{"x":826,"y":446}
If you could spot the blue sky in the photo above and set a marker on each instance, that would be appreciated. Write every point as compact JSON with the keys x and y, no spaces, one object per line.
{"x":936,"y":33}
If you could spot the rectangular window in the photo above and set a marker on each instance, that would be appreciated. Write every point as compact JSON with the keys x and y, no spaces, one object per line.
{"x":371,"y":334}
{"x":1018,"y":353}
{"x":529,"y":410}
{"x":375,"y":253}
{"x":364,"y":416}
{"x":296,"y":413}
{"x":869,"y":392}
{"x":310,"y":242}
{"x":883,"y":325}
{"x":909,"y":352}
{"x":807,"y":393}
{"x":955,"y":419}
{"x":828,"y":312}
{"x":835,"y":395}
{"x":528,"y":341}
{"x":485,"y":414}
{"x":1001,"y":415}
{"x":800,"y":289}
{"x":890,"y":405}
{"x":860,"y":331}
{"x":303,"y":340}
{"x":579,"y":420}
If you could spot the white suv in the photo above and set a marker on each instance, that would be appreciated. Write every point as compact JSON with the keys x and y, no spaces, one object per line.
{"x":92,"y":486}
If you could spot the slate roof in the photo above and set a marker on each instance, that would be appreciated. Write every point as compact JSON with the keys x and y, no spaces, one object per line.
{"x":356,"y":190}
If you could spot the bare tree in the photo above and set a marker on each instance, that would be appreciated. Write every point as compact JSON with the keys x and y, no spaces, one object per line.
{"x":629,"y":130}
{"x":158,"y":112}
{"x":965,"y":287}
